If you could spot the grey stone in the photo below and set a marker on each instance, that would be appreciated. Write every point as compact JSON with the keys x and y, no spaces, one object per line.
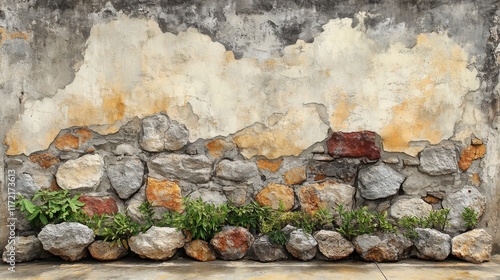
{"x":266,"y":251}
{"x":301,"y":245}
{"x":237,"y":170}
{"x":232,"y":243}
{"x":132,"y":205}
{"x":466,"y":197}
{"x":333,"y":245}
{"x":391,"y":160}
{"x":83,"y":173}
{"x":431,"y":244}
{"x":126,"y":176}
{"x":25,"y":185}
{"x":236,"y":194}
{"x":439,"y":160}
{"x":344,"y":169}
{"x":107,"y":251}
{"x":195,"y":169}
{"x":160,"y":133}
{"x":24,"y":249}
{"x":288,"y":229}
{"x":379,"y":181}
{"x":473,"y":246}
{"x":414,"y":206}
{"x":214,"y":197}
{"x":157,"y":243}
{"x":420,"y":184}
{"x":66,"y":240}
{"x":382,"y":247}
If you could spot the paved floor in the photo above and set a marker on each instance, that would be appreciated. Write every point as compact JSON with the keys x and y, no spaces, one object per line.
{"x":188,"y":269}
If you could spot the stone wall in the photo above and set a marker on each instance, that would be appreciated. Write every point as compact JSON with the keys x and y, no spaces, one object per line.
{"x":397,"y":99}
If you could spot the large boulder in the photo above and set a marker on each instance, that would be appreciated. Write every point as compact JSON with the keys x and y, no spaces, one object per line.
{"x":379,"y":181}
{"x":333,"y":245}
{"x":67,"y":240}
{"x":160,"y":133}
{"x":466,"y":197}
{"x":382,"y":247}
{"x":107,"y":251}
{"x":301,"y":245}
{"x":25,"y":249}
{"x":200,"y":250}
{"x":232,"y":243}
{"x":473,"y":246}
{"x":157,"y":243}
{"x":83,"y":173}
{"x":266,"y":251}
{"x":126,"y":176}
{"x":196,"y":169}
{"x":431,"y":244}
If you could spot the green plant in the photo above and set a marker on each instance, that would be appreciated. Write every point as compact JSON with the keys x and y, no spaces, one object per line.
{"x":277,"y":219}
{"x":408,"y":224}
{"x":118,"y":228}
{"x":277,"y":237}
{"x":383,"y":223}
{"x":146,"y":209}
{"x":436,"y":219}
{"x":50,"y":207}
{"x":356,"y":222}
{"x":248,"y":216}
{"x":471,"y":217}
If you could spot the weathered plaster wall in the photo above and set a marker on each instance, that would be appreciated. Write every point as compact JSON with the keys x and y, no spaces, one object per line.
{"x":276,"y":75}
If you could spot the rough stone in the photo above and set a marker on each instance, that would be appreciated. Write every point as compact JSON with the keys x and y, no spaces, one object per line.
{"x":27,"y":248}
{"x":66,"y":240}
{"x":301,"y":245}
{"x":473,"y":246}
{"x":157,"y":243}
{"x":232,"y":243}
{"x":126,"y":176}
{"x":333,"y":245}
{"x":195,"y":169}
{"x":344,"y":169}
{"x":67,"y":142}
{"x":420,"y":184}
{"x":383,"y":247}
{"x":354,"y":144}
{"x":214,"y":197}
{"x":218,"y":147}
{"x":237,"y":170}
{"x":327,"y":195}
{"x":469,"y":154}
{"x":438,"y":160}
{"x":44,"y":160}
{"x":132,"y":205}
{"x":295,"y":176}
{"x":431,"y":244}
{"x":160,"y":133}
{"x":466,"y":197}
{"x":106,"y":251}
{"x":270,"y":165}
{"x":25,"y":185}
{"x":126,"y":150}
{"x":236,"y":194}
{"x":200,"y":250}
{"x":98,"y":205}
{"x":265,"y":251}
{"x":82,"y":173}
{"x":414,"y":206}
{"x":379,"y":181}
{"x":164,"y":193}
{"x":274,"y":194}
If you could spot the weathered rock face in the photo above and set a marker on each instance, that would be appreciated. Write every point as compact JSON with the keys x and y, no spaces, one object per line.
{"x":353,"y":144}
{"x":473,"y":246}
{"x":83,"y":173}
{"x":98,"y":205}
{"x":466,"y":197}
{"x":214,"y":197}
{"x":274,"y":194}
{"x":44,"y":160}
{"x":200,"y":250}
{"x":27,"y":248}
{"x":333,"y":245}
{"x":105,"y":251}
{"x":126,"y":176}
{"x":66,"y":240}
{"x":157,"y":243}
{"x":164,"y":193}
{"x":25,"y":185}
{"x":344,"y":169}
{"x":265,"y":251}
{"x":328,"y":195}
{"x":236,"y":170}
{"x":410,"y":207}
{"x":301,"y":245}
{"x":386,"y":247}
{"x":379,"y":181}
{"x":439,"y":160}
{"x":195,"y":169}
{"x":232,"y":243}
{"x":431,"y":244}
{"x":295,"y":176}
{"x":160,"y":133}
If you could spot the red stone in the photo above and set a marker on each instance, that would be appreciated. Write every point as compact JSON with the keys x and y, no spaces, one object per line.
{"x":353,"y":144}
{"x":98,"y":205}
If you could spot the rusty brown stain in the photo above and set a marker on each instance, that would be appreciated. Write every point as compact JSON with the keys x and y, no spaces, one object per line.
{"x":476,"y":179}
{"x":45,"y":160}
{"x":67,"y":142}
{"x":271,"y":165}
{"x":469,"y":154}
{"x":295,"y":176}
{"x":6,"y":35}
{"x":84,"y":134}
{"x":113,"y":106}
{"x":164,"y":193}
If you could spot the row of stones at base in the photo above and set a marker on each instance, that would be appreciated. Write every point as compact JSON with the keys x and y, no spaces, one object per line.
{"x":70,"y":241}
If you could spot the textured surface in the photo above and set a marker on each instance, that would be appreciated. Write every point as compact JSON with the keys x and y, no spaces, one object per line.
{"x":158,"y":243}
{"x":82,"y":173}
{"x":473,"y":246}
{"x":232,"y":243}
{"x":66,"y":240}
{"x":301,"y":245}
{"x":333,"y":245}
{"x":432,"y":244}
{"x":106,"y":251}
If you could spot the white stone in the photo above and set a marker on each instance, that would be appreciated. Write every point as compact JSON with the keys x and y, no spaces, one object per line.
{"x":67,"y":240}
{"x":82,"y":173}
{"x":157,"y":243}
{"x":468,"y":196}
{"x":409,"y":207}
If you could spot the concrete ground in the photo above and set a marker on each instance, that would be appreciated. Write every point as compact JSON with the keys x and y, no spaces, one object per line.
{"x":188,"y":269}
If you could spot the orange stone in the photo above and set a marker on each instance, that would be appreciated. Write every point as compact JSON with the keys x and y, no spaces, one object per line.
{"x":469,"y":154}
{"x":67,"y":142}
{"x":85,"y":135}
{"x":476,"y":179}
{"x":274,"y":194}
{"x":295,"y":176}
{"x":271,"y":165}
{"x":44,"y":160}
{"x":164,"y":193}
{"x":431,"y":199}
{"x":217,"y":147}
{"x":309,"y":199}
